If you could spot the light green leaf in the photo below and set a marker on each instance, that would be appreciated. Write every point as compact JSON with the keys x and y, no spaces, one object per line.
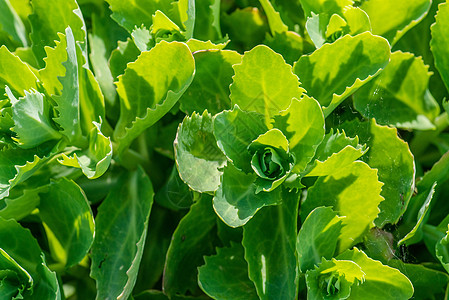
{"x":335,"y":152}
{"x":68,"y":102}
{"x":236,"y":201}
{"x":198,"y":157}
{"x":11,"y":23}
{"x":398,"y":185}
{"x":333,"y":279}
{"x":94,"y":160}
{"x":32,"y":121}
{"x":274,"y":18}
{"x":120,"y":235}
{"x":439,"y":42}
{"x":21,"y":206}
{"x":193,"y":238}
{"x":392,"y":19}
{"x":304,"y":133}
{"x":416,"y":234}
{"x":380,"y":281}
{"x":316,"y":238}
{"x":150,"y":87}
{"x":235,"y":130}
{"x":136,"y":13}
{"x":397,"y":96}
{"x":197,"y":45}
{"x":49,"y":20}
{"x":65,"y":213}
{"x":354,"y":193}
{"x":269,"y":240}
{"x":427,"y":283}
{"x":225,"y":275}
{"x":323,"y":6}
{"x":16,"y":74}
{"x":54,"y":68}
{"x":186,"y":11}
{"x":264,"y":83}
{"x":210,"y":87}
{"x":335,"y":71}
{"x":23,"y":248}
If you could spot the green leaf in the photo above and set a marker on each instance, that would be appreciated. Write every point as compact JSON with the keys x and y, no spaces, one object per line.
{"x":304,"y":133}
{"x":49,"y":20}
{"x":23,"y":248}
{"x":398,"y":185}
{"x":274,"y":18}
{"x":333,"y":279}
{"x":193,"y":238}
{"x":442,"y":251}
{"x":235,"y":130}
{"x":136,"y":13}
{"x":18,"y":76}
{"x":290,"y":45}
{"x":225,"y":275}
{"x":32,"y":121}
{"x":11,"y":23}
{"x":316,"y":238}
{"x":94,"y":160}
{"x":120,"y":235}
{"x":427,"y":283}
{"x":125,"y":53}
{"x":150,"y":87}
{"x":264,"y":83}
{"x":207,"y":20}
{"x":197,"y":45}
{"x":416,"y":234}
{"x":21,"y":206}
{"x":269,"y":240}
{"x":210,"y":87}
{"x":381,"y":281}
{"x":350,"y":191}
{"x":66,"y":213}
{"x":439,"y":41}
{"x":335,"y":71}
{"x":175,"y":194}
{"x":388,"y":22}
{"x":326,"y":6}
{"x":198,"y":157}
{"x":335,"y":152}
{"x":397,"y":96}
{"x":236,"y":201}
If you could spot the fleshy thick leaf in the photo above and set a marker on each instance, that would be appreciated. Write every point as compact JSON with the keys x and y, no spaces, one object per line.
{"x":95,"y":160}
{"x":234,"y":131}
{"x":120,"y":235}
{"x":66,"y":213}
{"x":392,"y":19}
{"x":225,"y":275}
{"x":236,"y":201}
{"x":269,"y":240}
{"x":353,"y":192}
{"x":21,"y":206}
{"x":49,"y":20}
{"x":11,"y":23}
{"x":150,"y":87}
{"x":398,"y":184}
{"x":210,"y":87}
{"x":198,"y":157}
{"x":323,"y":6}
{"x":335,"y":152}
{"x":264,"y":83}
{"x":439,"y":42}
{"x":192,"y":239}
{"x":380,"y":281}
{"x":335,"y":71}
{"x":21,"y":246}
{"x":442,"y":251}
{"x":398,"y":97}
{"x":303,"y":125}
{"x":274,"y":18}
{"x":16,"y":74}
{"x":316,"y":238}
{"x":32,"y":121}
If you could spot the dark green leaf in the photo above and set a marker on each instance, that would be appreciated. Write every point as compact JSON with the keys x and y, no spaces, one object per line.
{"x":439,"y":41}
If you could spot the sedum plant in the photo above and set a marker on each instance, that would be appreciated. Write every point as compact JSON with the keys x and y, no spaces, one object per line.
{"x":235,"y":149}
